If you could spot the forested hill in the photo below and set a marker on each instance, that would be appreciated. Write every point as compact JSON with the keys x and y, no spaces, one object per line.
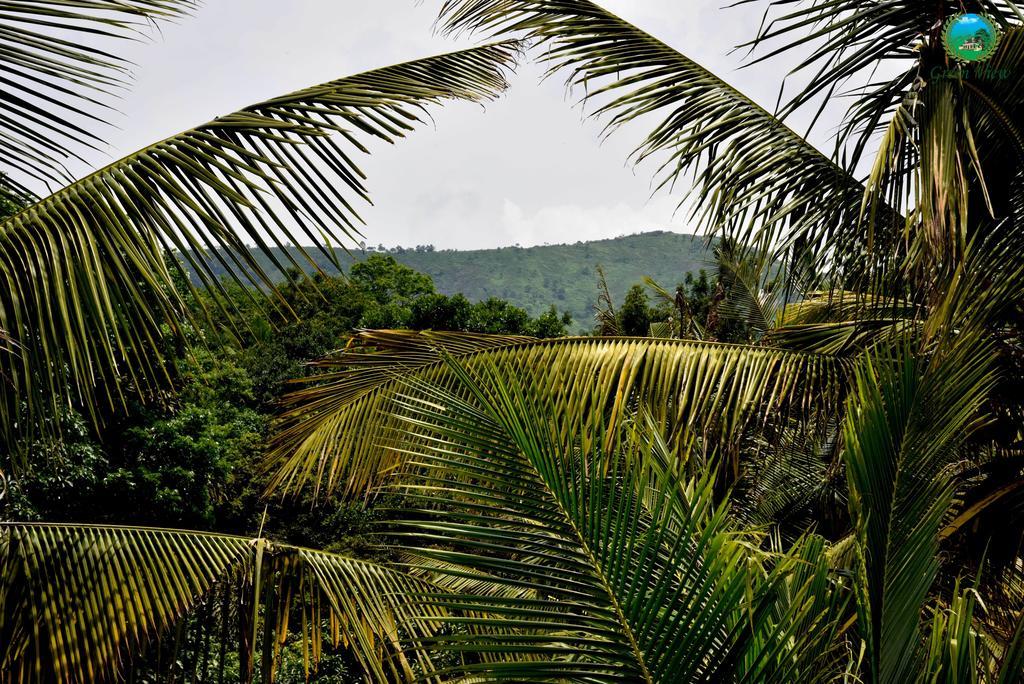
{"x":563,"y":275}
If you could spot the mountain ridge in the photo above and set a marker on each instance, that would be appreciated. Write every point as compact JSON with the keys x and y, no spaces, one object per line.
{"x":534,"y":278}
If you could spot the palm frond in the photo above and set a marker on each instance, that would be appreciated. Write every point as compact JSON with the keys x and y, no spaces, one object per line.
{"x":753,"y":294}
{"x":338,"y":434}
{"x":58,"y":88}
{"x":604,"y":309}
{"x":755,"y":179}
{"x":796,"y":482}
{"x":845,"y":323}
{"x":992,"y":110}
{"x":637,"y":575}
{"x":844,"y":46}
{"x":77,"y":603}
{"x":684,"y":323}
{"x":461,"y":579}
{"x":907,"y":417}
{"x":86,"y":290}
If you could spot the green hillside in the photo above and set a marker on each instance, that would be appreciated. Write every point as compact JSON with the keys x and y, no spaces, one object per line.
{"x":563,"y":275}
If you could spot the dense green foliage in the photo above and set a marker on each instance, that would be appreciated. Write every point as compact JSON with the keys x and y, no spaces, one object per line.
{"x":190,"y":458}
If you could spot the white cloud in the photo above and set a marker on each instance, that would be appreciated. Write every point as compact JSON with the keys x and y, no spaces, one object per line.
{"x":572,"y":222}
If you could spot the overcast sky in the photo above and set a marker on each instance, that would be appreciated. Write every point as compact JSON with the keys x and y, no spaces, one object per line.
{"x":526,"y":169}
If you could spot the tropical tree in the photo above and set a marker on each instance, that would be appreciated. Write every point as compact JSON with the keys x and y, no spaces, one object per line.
{"x":839,"y":500}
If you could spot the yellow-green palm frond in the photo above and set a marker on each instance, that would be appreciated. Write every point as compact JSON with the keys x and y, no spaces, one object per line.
{"x":57,"y":88}
{"x":339,"y":434}
{"x":84,"y":286}
{"x":78,"y":603}
{"x":955,"y":649}
{"x":844,"y":322}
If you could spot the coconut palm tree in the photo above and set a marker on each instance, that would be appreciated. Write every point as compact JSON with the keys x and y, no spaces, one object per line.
{"x":840,"y":501}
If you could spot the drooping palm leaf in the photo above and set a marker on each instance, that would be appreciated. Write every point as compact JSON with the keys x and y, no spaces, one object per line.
{"x":84,"y":286}
{"x":993,"y":108}
{"x":635,"y":574}
{"x":337,"y":434}
{"x":948,"y":144}
{"x":78,"y":603}
{"x":57,"y":87}
{"x":755,"y":179}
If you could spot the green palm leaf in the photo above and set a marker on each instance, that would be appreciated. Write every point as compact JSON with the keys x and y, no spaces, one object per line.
{"x":84,"y":287}
{"x":57,"y":88}
{"x":906,"y":420}
{"x":953,"y":642}
{"x":635,"y":574}
{"x":339,"y":434}
{"x":846,"y":323}
{"x":77,"y":603}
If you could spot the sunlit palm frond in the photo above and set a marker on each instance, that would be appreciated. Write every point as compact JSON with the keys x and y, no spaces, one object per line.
{"x":329,"y":430}
{"x":78,"y":603}
{"x":845,"y":323}
{"x":338,"y":434}
{"x":637,"y":575}
{"x":57,"y":87}
{"x":843,"y":338}
{"x":84,"y":286}
{"x":461,"y":579}
{"x":755,"y":179}
{"x":840,"y":306}
{"x":372,"y":357}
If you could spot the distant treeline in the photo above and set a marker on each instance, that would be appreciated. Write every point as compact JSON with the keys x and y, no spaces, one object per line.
{"x":533,"y":278}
